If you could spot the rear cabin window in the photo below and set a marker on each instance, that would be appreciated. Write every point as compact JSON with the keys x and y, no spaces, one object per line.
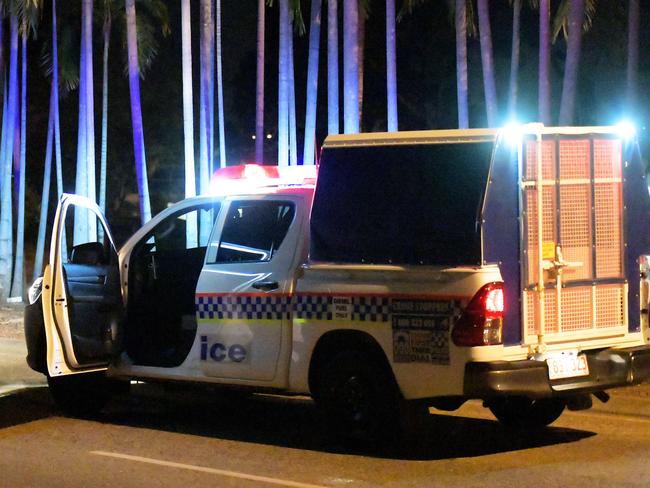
{"x":254,"y":230}
{"x":417,"y":204}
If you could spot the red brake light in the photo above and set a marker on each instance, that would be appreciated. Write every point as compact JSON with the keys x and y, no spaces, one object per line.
{"x":481,"y":323}
{"x":494,"y":301}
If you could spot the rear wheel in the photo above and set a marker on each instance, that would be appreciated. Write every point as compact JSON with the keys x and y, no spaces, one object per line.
{"x":357,"y":396}
{"x":81,"y":395}
{"x":522,"y":412}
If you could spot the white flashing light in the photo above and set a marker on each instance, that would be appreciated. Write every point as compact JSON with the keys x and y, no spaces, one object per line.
{"x":256,"y":178}
{"x":626,"y":129}
{"x":513,"y":133}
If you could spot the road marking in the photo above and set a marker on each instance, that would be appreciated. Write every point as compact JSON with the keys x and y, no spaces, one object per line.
{"x":203,"y":469}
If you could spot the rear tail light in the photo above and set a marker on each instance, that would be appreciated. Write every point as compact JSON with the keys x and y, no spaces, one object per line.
{"x":481,"y":323}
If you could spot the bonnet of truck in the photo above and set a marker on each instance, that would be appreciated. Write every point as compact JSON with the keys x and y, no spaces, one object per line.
{"x":567,"y":217}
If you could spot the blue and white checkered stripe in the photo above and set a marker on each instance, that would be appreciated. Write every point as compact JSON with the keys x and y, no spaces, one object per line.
{"x":373,"y":309}
{"x":320,"y":307}
{"x":243,"y":307}
{"x":312,"y":307}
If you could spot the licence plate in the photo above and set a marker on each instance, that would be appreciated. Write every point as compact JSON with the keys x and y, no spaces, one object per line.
{"x":567,"y":366}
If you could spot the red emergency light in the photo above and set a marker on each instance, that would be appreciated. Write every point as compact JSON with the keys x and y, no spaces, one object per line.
{"x":248,"y":178}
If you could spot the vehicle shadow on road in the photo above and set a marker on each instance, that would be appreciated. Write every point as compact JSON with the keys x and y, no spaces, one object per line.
{"x":25,"y":405}
{"x":297,"y":424}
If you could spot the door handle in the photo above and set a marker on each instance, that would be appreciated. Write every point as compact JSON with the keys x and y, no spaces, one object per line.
{"x":266,"y":285}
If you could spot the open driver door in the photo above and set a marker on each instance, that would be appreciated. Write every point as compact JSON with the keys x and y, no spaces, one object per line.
{"x":82,"y":298}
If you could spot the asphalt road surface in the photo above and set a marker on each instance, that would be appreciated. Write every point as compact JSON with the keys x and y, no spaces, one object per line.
{"x":161,"y":437}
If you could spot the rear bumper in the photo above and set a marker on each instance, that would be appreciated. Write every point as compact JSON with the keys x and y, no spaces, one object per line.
{"x":608,"y":368}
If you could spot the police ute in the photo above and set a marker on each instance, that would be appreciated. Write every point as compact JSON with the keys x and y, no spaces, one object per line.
{"x":408,"y":270}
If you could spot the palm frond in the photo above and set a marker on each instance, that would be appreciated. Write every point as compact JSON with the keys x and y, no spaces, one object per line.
{"x":561,"y":19}
{"x":68,"y":50}
{"x":296,"y":16}
{"x":407,"y":8}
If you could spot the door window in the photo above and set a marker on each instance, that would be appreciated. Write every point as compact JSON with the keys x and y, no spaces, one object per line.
{"x":253,"y":231}
{"x":84,"y":239}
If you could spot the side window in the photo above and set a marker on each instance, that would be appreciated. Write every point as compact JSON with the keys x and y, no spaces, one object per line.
{"x":254,"y":230}
{"x":188,"y":229}
{"x":84,"y":239}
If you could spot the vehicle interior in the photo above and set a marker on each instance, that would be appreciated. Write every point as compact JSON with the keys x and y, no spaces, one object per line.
{"x":164,"y":270}
{"x":92,"y":283}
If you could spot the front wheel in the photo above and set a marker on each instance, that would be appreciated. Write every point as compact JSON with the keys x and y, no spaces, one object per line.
{"x":523,"y":413}
{"x":81,"y":395}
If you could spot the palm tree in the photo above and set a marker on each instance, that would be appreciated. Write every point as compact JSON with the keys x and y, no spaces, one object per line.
{"x":293,"y":139}
{"x":487,"y":61}
{"x":283,"y":84}
{"x":222,"y":136}
{"x":136,"y":112}
{"x":45,"y":196}
{"x":8,"y":132}
{"x":188,"y":118}
{"x":544,"y":87}
{"x":572,"y":63}
{"x":332,"y":68}
{"x":514,"y":60}
{"x":53,"y":133}
{"x":106,"y":32}
{"x":206,"y":117}
{"x":312,"y":82}
{"x":350,"y":66}
{"x":460,"y":22}
{"x":632,"y":54}
{"x":391,"y":67}
{"x":259,"y":92}
{"x":572,"y":18}
{"x":85,"y":229}
{"x":18,"y":275}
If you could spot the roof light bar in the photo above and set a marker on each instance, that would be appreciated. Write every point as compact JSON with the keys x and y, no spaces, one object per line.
{"x":255,"y":178}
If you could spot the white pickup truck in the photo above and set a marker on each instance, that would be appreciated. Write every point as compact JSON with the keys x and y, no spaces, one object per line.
{"x":420,"y":269}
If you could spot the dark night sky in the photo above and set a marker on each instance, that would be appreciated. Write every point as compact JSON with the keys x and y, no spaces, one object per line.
{"x":426,"y":87}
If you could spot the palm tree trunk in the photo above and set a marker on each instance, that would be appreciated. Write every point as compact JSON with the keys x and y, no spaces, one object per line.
{"x":572,"y":63}
{"x":293,"y":139}
{"x":222,"y":129}
{"x":57,"y":125}
{"x":104,"y":147}
{"x":514,"y":60}
{"x":206,"y":112}
{"x":391,"y":68}
{"x":136,"y":112}
{"x":544,"y":62}
{"x":361,"y":50}
{"x":81,"y":225}
{"x":18,"y":278}
{"x":87,"y":44}
{"x":45,"y":195}
{"x":188,"y":119}
{"x":312,"y":82}
{"x":632,"y":55}
{"x":6,"y":217}
{"x":3,"y":138}
{"x":283,"y":85}
{"x":332,"y":67}
{"x":461,"y":64}
{"x":259,"y":92}
{"x":351,"y":67}
{"x":487,"y":59}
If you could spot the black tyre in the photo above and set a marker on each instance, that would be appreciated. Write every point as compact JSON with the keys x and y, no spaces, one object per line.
{"x":81,"y":395}
{"x":526,"y":413}
{"x":357,"y":395}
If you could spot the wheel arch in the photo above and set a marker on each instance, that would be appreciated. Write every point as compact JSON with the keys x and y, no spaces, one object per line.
{"x":338,"y":340}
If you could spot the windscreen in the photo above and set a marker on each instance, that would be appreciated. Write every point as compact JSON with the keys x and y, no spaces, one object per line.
{"x":416,"y":204}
